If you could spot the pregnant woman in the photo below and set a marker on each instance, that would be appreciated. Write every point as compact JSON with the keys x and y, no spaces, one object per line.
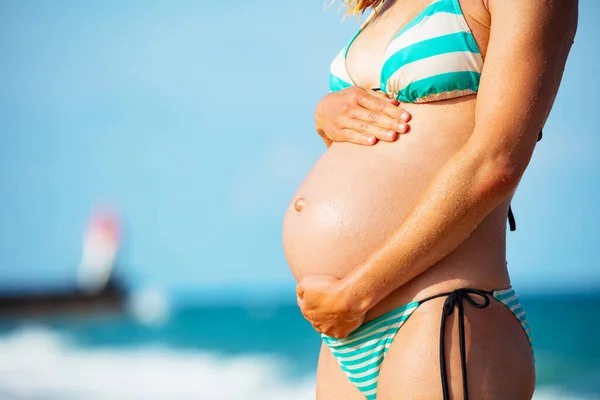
{"x":398,"y":241}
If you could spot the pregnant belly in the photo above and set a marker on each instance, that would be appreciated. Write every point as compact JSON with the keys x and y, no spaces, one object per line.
{"x":356,"y":196}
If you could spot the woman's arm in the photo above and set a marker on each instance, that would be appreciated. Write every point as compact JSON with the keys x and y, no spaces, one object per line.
{"x":526,"y":56}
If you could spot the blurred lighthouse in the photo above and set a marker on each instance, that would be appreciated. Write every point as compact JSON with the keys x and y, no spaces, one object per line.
{"x":101,"y":242}
{"x":97,"y":289}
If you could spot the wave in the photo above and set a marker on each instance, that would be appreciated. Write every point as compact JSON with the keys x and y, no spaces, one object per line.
{"x":37,"y":363}
{"x":556,"y":393}
{"x":41,"y":364}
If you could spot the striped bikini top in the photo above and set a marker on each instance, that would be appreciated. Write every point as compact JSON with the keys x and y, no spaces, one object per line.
{"x":433,"y":57}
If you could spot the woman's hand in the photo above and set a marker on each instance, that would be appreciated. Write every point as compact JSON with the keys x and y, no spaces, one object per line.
{"x":328,"y":305}
{"x":359,"y":116}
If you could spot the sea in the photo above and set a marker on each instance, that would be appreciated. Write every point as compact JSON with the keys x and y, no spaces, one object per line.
{"x":244,"y":351}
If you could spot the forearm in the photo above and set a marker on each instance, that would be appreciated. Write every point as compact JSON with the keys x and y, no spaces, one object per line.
{"x":466,"y":189}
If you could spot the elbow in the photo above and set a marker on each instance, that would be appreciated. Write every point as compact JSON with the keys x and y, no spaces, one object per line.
{"x":497,"y":167}
{"x":498,"y":177}
{"x":508,"y":173}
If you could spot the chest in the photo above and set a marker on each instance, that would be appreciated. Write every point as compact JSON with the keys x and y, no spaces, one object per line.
{"x":367,"y":53}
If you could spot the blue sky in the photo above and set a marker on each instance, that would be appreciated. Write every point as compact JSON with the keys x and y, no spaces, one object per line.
{"x":195,"y":120}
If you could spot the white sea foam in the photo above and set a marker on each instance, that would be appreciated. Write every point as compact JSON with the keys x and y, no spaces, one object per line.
{"x":39,"y":364}
{"x":555,"y":393}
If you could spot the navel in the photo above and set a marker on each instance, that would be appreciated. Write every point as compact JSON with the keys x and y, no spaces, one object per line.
{"x":299,"y":204}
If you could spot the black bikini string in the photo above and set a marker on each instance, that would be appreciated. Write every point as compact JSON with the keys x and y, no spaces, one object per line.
{"x":454,"y":299}
{"x":512,"y":223}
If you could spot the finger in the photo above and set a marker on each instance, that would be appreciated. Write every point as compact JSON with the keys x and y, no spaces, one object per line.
{"x":367,"y":128}
{"x":384,"y":128}
{"x":382,"y":95}
{"x":405,"y":115}
{"x":321,"y":329}
{"x":375,"y":103}
{"x":334,"y":333}
{"x":299,"y":291}
{"x":340,"y":332}
{"x":354,"y":136}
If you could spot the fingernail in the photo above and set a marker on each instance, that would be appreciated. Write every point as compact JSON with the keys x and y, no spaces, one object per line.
{"x":390,"y":134}
{"x":371,"y":140}
{"x":401,"y":128}
{"x":404,"y":116}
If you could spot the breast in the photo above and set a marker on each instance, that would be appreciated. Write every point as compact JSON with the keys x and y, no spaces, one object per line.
{"x":355,"y":196}
{"x":434,"y":59}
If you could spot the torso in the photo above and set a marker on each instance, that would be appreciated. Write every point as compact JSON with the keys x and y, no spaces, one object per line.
{"x":356,"y":196}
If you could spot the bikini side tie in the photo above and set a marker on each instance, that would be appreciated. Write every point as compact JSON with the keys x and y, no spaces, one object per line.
{"x":454,"y":299}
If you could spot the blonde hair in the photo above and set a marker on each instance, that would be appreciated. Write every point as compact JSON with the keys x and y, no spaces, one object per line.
{"x":359,"y":6}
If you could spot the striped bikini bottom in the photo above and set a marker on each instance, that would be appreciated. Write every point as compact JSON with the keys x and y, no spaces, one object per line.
{"x":360,"y":354}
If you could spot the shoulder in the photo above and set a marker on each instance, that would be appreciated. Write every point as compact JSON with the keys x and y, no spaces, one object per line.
{"x":542,"y":12}
{"x":548,"y":26}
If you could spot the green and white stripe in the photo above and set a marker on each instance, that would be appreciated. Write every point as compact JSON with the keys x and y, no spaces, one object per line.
{"x":434,"y":57}
{"x":339,"y":78}
{"x":360,"y":355}
{"x":509,"y":298}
